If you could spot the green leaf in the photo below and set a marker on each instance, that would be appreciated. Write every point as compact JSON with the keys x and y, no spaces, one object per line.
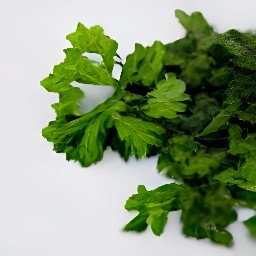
{"x":222,"y":237}
{"x":197,"y":70}
{"x":220,"y":120}
{"x":178,"y":52}
{"x":165,"y":100}
{"x":239,"y":146}
{"x":68,"y":98}
{"x":150,"y":114}
{"x":206,"y":212}
{"x":83,"y":139}
{"x":74,"y":68}
{"x":251,"y":225}
{"x":195,"y":23}
{"x":242,"y":87}
{"x":248,"y":170}
{"x":153,"y":206}
{"x":232,"y":177}
{"x":138,"y":224}
{"x":202,"y":111}
{"x":204,"y":163}
{"x":237,"y":47}
{"x":79,"y":68}
{"x":157,"y":221}
{"x":243,"y":197}
{"x":91,"y":146}
{"x":93,"y":40}
{"x":250,"y":186}
{"x":144,"y":65}
{"x":229,"y":177}
{"x":187,"y":159}
{"x":248,"y":115}
{"x":138,"y":135}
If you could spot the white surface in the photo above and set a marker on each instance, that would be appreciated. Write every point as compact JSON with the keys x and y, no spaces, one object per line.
{"x":50,"y":207}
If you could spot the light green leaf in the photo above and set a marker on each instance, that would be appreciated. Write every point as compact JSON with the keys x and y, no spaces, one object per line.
{"x":138,"y":135}
{"x":248,"y":170}
{"x":78,"y":68}
{"x":74,"y":68}
{"x":144,"y":65}
{"x":239,"y":146}
{"x":91,"y":146}
{"x":157,"y":221}
{"x":153,"y":206}
{"x":165,"y":100}
{"x":251,"y":186}
{"x":229,"y":177}
{"x":93,"y":40}
{"x":83,"y":139}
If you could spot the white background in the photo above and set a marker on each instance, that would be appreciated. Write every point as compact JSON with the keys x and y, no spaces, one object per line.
{"x":51,"y":207}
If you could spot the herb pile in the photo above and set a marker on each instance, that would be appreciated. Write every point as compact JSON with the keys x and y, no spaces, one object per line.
{"x":192,"y":102}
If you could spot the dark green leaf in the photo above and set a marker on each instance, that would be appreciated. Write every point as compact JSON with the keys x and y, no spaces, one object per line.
{"x":185,"y":159}
{"x":239,"y":47}
{"x":207,"y":214}
{"x":248,"y":115}
{"x":220,"y":120}
{"x":251,"y":225}
{"x":139,"y":223}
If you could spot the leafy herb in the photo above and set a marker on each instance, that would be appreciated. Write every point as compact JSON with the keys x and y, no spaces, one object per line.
{"x":192,"y":102}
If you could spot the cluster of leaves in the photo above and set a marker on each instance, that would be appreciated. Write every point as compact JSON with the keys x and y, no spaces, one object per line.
{"x":192,"y":102}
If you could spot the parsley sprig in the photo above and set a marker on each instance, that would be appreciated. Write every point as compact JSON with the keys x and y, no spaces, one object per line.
{"x":192,"y":102}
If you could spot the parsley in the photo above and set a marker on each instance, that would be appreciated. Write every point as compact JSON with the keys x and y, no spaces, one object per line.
{"x":192,"y":102}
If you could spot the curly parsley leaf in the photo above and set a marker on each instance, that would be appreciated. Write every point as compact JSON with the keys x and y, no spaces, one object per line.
{"x":93,"y":40}
{"x":78,"y":68}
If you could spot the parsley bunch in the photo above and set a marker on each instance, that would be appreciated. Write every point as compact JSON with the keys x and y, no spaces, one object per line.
{"x":192,"y":102}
